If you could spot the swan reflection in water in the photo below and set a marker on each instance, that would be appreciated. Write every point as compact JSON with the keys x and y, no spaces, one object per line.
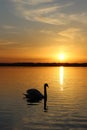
{"x":34,"y":96}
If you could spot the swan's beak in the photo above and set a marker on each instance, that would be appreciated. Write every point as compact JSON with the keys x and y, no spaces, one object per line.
{"x":47,"y":86}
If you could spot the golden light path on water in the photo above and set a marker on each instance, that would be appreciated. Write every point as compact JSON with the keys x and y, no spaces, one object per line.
{"x":61,"y":77}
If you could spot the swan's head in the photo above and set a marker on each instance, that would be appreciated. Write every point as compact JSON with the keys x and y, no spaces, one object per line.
{"x":45,"y":85}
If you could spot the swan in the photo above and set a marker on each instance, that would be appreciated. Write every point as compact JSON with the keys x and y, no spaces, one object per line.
{"x":34,"y":95}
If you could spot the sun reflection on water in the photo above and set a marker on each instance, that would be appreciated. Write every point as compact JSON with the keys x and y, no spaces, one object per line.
{"x":61,"y":77}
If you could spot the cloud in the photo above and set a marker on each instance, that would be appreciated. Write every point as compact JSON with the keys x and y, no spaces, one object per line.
{"x":81,"y":18}
{"x":50,"y":12}
{"x":72,"y":36}
{"x":69,"y":33}
{"x":46,"y":32}
{"x":40,"y":15}
{"x":42,"y":11}
{"x":32,"y":2}
{"x":7,"y":43}
{"x":8,"y":27}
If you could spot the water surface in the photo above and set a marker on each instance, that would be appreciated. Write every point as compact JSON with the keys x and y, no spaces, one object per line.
{"x":67,"y":98}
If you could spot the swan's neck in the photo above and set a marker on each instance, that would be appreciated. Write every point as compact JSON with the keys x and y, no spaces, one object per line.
{"x":45,"y":93}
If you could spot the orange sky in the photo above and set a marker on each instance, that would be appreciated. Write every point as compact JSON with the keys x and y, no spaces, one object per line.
{"x":38,"y":31}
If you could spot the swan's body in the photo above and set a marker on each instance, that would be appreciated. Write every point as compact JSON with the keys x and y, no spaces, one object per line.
{"x":33,"y":95}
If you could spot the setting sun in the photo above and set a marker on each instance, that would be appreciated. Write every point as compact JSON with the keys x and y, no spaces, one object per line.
{"x":61,"y":57}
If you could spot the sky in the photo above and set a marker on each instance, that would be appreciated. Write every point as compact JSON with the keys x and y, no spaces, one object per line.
{"x":41,"y":30}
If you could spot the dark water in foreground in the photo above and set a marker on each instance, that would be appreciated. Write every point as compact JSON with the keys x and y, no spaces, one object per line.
{"x":67,"y":98}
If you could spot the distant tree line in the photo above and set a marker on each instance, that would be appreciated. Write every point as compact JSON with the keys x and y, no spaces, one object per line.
{"x":31,"y":64}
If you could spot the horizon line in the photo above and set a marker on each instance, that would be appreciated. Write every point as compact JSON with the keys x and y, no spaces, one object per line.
{"x":38,"y":64}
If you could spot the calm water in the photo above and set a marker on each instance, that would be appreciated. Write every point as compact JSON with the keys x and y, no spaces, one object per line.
{"x":67,"y":98}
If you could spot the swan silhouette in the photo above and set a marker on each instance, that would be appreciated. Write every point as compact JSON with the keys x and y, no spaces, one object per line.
{"x":34,"y":95}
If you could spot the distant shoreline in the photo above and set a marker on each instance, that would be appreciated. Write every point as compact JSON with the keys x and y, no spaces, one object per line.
{"x":31,"y":64}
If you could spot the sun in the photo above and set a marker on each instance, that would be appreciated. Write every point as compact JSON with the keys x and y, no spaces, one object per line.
{"x":61,"y":57}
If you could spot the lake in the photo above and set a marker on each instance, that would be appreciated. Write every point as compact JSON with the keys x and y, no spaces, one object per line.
{"x":67,"y":98}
